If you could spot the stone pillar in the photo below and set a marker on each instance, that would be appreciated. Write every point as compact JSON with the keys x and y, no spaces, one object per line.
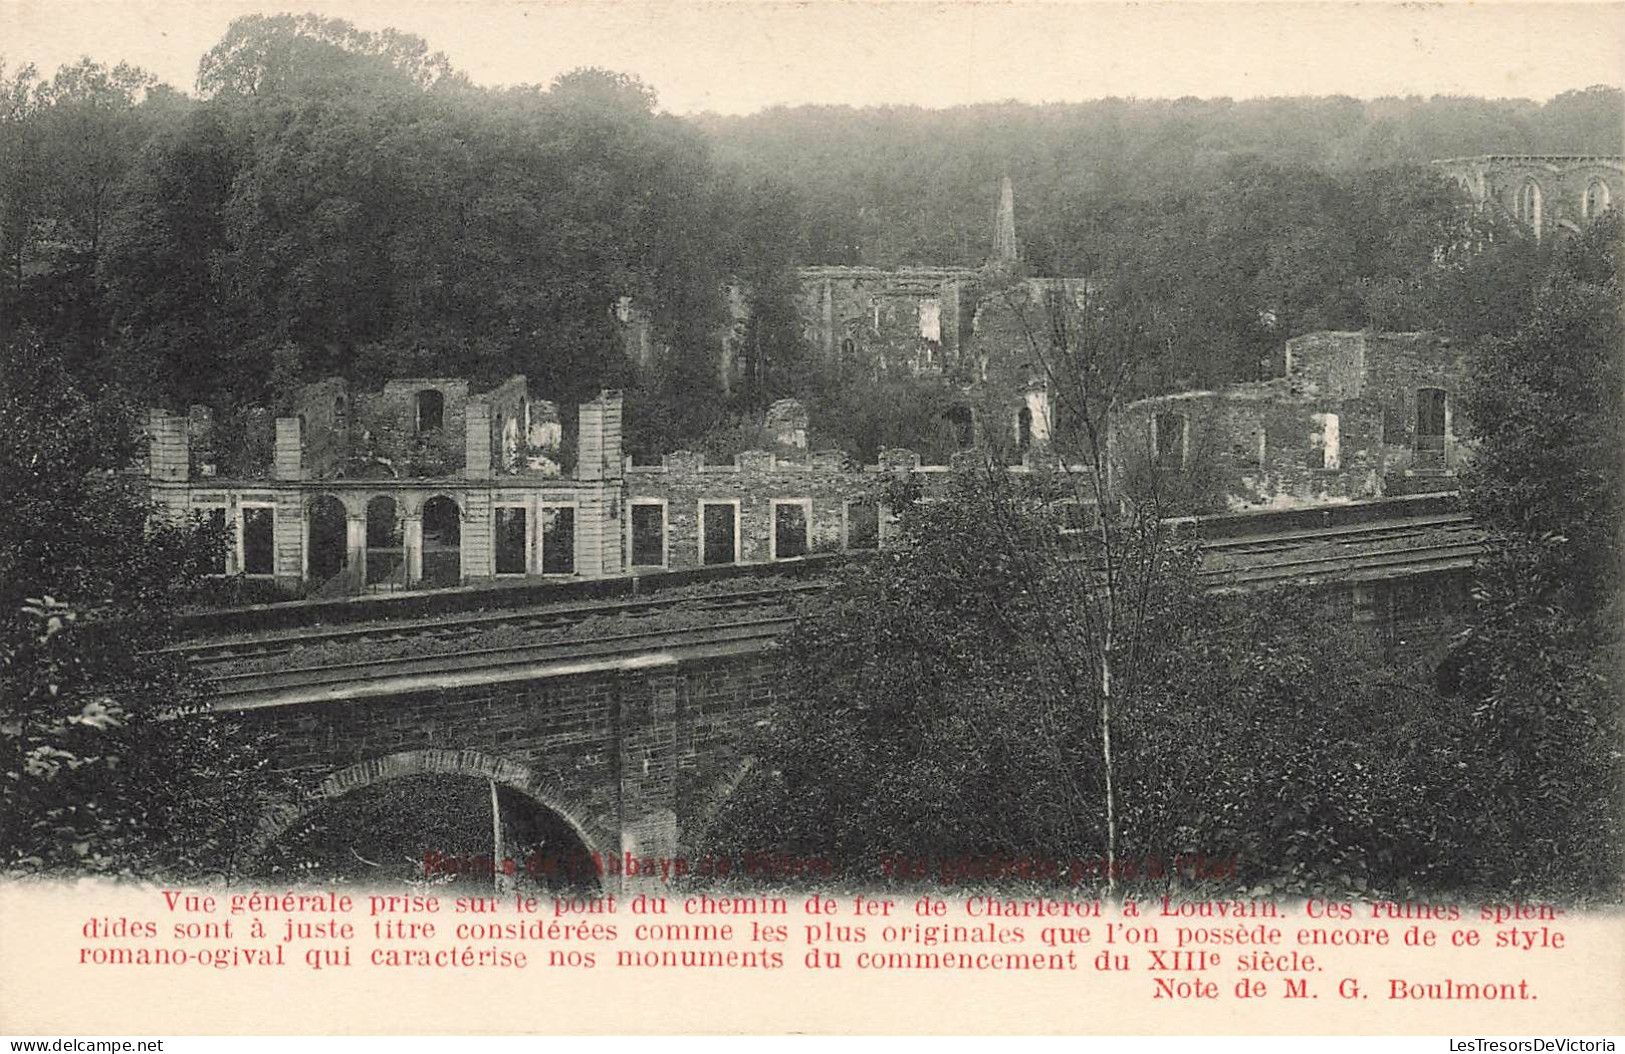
{"x":826,"y":307}
{"x":412,"y":538}
{"x":477,"y":558}
{"x":355,"y":538}
{"x":169,"y":447}
{"x":898,"y":460}
{"x":288,"y":538}
{"x":598,"y":438}
{"x":290,"y":455}
{"x":648,"y":745}
{"x":477,"y":441}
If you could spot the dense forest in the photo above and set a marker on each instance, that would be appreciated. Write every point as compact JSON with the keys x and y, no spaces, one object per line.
{"x":332,"y":200}
{"x":897,"y":185}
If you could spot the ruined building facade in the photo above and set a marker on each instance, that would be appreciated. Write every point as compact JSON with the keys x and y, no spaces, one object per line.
{"x":1352,"y":416}
{"x":426,"y":484}
{"x":1549,"y":196}
{"x":971,"y":326}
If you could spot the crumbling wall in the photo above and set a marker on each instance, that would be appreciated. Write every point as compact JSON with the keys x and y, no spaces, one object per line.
{"x":324,"y":408}
{"x":683,"y":481}
{"x":1331,"y":365}
{"x":786,"y":421}
{"x":1249,"y":446}
{"x":1342,"y":424}
{"x":385,"y":429}
{"x":870,"y":322}
{"x":508,"y":405}
{"x":1399,"y":366}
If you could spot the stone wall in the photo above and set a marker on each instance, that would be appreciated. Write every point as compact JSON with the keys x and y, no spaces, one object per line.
{"x":323,"y":407}
{"x":508,"y":409}
{"x":867,"y":321}
{"x":585,"y":514}
{"x":1343,"y":423}
{"x":386,"y":428}
{"x":1566,"y":187}
{"x":756,"y":479}
{"x":634,"y":759}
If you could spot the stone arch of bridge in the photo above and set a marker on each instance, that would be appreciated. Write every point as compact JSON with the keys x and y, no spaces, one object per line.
{"x":515,"y":775}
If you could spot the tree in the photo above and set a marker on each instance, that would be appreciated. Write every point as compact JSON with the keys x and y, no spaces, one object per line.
{"x":973,"y":689}
{"x":1540,"y":662}
{"x":943,"y":702}
{"x":111,"y":763}
{"x":264,"y":54}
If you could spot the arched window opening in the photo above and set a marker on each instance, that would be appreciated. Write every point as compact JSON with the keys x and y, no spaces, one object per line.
{"x":385,"y":552}
{"x":442,"y":543}
{"x":1529,"y":206}
{"x":328,"y":546}
{"x":1597,"y":199}
{"x":341,"y":414}
{"x":1024,"y":429}
{"x":431,"y":410}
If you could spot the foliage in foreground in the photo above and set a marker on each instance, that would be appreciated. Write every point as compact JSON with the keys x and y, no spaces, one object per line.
{"x":1540,"y":664}
{"x":110,"y":764}
{"x":941,"y":703}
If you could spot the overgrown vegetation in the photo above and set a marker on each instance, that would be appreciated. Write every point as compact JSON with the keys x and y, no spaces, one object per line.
{"x":991,"y":688}
{"x":337,"y":201}
{"x":110,"y":764}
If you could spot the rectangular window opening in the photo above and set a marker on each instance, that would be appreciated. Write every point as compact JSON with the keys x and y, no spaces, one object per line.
{"x":862,"y":525}
{"x":1077,"y":517}
{"x":558,"y":541}
{"x":1169,"y":433}
{"x":259,"y":547}
{"x":512,"y":540}
{"x":215,"y":519}
{"x":931,"y":320}
{"x":790,"y":530}
{"x":648,"y":536}
{"x":720,"y":537}
{"x":1329,"y":449}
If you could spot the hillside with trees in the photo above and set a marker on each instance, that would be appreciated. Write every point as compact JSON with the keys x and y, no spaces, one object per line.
{"x":338,"y":201}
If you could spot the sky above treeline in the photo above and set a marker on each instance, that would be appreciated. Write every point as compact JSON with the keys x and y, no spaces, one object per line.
{"x":742,"y":56}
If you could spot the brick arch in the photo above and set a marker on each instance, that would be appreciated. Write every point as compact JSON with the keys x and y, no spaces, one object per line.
{"x":515,"y":775}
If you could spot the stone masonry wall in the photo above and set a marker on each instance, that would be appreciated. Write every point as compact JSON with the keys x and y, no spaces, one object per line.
{"x":683,"y":481}
{"x":1266,"y":443}
{"x":638,"y":758}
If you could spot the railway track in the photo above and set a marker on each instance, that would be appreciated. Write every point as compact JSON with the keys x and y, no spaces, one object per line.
{"x":539,"y":618}
{"x":1382,"y":549}
{"x":235,"y":689}
{"x":1350,"y":534}
{"x":1408,"y":560}
{"x":1357,"y":551}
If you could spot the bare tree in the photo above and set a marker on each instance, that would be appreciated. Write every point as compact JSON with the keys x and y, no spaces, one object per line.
{"x":1090,"y":344}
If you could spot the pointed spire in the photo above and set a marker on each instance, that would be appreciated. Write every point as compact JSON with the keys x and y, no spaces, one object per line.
{"x":1005,"y":249}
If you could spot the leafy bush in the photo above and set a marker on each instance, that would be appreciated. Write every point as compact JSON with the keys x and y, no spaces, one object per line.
{"x":945,"y":700}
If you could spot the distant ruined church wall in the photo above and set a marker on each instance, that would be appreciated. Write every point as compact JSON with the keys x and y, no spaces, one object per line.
{"x":1550,"y":195}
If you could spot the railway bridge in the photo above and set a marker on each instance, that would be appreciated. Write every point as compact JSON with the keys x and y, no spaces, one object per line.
{"x":618,"y":710}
